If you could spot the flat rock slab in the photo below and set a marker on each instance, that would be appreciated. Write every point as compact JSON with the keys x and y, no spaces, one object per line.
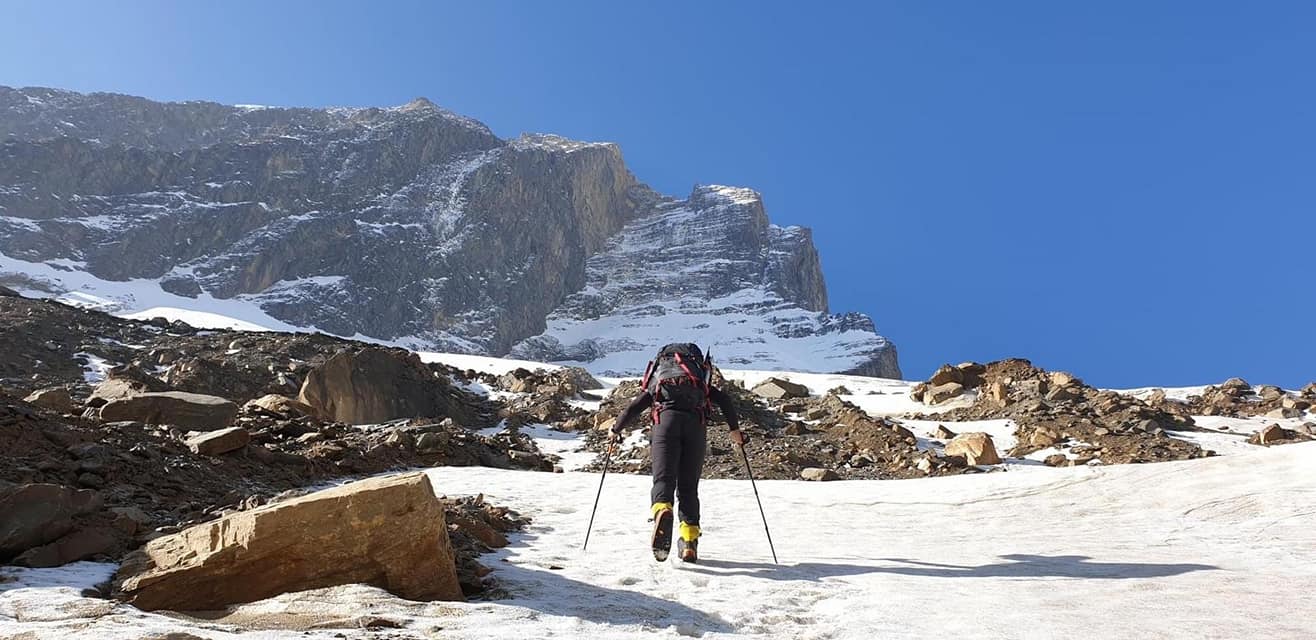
{"x":194,"y":411}
{"x":217,"y":443}
{"x":387,"y":532}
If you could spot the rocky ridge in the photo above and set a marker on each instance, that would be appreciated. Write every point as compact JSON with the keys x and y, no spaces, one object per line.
{"x":405,"y":224}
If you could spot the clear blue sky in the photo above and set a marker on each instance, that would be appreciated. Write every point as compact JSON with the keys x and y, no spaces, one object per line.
{"x":1120,"y":189}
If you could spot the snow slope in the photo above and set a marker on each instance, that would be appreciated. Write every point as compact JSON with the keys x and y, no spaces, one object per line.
{"x":1207,"y":548}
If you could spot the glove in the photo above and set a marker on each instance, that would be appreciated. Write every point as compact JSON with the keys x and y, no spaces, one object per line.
{"x":614,"y":437}
{"x":739,"y":438}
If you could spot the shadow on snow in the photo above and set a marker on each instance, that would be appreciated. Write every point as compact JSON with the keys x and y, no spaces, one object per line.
{"x":1014,"y":566}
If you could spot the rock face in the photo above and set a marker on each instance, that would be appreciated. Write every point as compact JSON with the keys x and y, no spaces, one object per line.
{"x":375,"y":385}
{"x":388,"y":532}
{"x":188,"y":410}
{"x":409,"y":224}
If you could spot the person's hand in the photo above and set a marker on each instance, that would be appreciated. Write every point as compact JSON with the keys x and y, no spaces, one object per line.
{"x":739,"y":438}
{"x":614,"y":438}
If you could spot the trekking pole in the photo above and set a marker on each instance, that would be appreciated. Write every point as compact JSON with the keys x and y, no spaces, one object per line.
{"x":607,"y":459}
{"x":750,"y":472}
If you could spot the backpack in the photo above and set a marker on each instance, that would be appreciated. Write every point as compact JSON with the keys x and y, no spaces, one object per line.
{"x":678,"y":378}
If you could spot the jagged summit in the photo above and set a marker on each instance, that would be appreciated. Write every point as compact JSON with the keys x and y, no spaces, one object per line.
{"x":408,"y":224}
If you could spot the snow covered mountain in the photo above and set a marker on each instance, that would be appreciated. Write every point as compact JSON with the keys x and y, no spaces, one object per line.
{"x":410,"y":225}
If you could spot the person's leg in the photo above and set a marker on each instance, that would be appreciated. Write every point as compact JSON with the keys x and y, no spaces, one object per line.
{"x":664,"y":447}
{"x":694,"y":445}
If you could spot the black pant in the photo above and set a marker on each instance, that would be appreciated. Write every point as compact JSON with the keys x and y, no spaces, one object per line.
{"x":679,"y":443}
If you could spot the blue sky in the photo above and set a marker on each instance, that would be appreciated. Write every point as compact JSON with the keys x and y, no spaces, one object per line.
{"x":1124,"y":190}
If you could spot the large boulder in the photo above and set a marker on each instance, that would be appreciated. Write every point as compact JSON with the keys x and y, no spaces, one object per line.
{"x":376,"y":385}
{"x":32,"y":515}
{"x":388,"y":532}
{"x":976,"y":448}
{"x":193,"y":411}
{"x":79,"y":545}
{"x":778,"y":389}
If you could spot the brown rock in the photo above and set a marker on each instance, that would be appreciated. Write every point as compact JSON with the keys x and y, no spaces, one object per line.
{"x":943,"y":392}
{"x":976,"y":447}
{"x":1270,"y":434}
{"x":376,"y":385}
{"x":1309,"y":390}
{"x":193,"y":411}
{"x":1056,"y":460}
{"x":942,"y":433}
{"x":819,"y":474}
{"x":778,"y":389}
{"x":1043,"y":439}
{"x":55,"y":399}
{"x":1297,"y":404}
{"x":1283,"y":413}
{"x":35,"y":514}
{"x":1238,"y":386}
{"x":999,"y":393}
{"x":1062,"y":379}
{"x":215,"y":443}
{"x":946,"y":374}
{"x":283,"y":406}
{"x":387,"y":532}
{"x":1270,"y":392}
{"x":124,"y":382}
{"x":79,"y":545}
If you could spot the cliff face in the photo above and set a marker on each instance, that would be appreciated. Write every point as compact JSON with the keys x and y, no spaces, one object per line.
{"x":409,"y":224}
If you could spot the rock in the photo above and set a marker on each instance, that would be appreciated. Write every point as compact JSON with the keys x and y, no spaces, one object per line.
{"x":1063,"y":394}
{"x":778,"y":389}
{"x":91,"y":480}
{"x":942,"y":433}
{"x":187,"y":410}
{"x":946,"y":374}
{"x":215,"y":443}
{"x":942,"y":392}
{"x":839,"y":390}
{"x":583,"y":380}
{"x":283,"y":406}
{"x":1238,"y":385}
{"x":1283,"y":413}
{"x":976,"y":447}
{"x":924,"y":465}
{"x":1062,"y":379}
{"x":6,"y":292}
{"x":55,"y":399}
{"x":130,"y":520}
{"x":1297,"y":404}
{"x":917,"y":392}
{"x":123,"y":382}
{"x":1270,"y":392}
{"x":819,"y":474}
{"x":376,"y":385}
{"x":1056,"y":460}
{"x":1309,"y":390}
{"x":1271,"y":434}
{"x":999,"y":393}
{"x":1042,"y":438}
{"x":35,"y":514}
{"x":79,"y":545}
{"x":432,"y":443}
{"x":389,"y":532}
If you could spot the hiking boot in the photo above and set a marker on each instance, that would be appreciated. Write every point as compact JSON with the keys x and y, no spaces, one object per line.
{"x":662,"y":531}
{"x":687,"y":547}
{"x":688,"y":551}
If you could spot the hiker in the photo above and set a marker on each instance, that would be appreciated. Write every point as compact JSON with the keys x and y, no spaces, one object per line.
{"x":678,"y":391}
